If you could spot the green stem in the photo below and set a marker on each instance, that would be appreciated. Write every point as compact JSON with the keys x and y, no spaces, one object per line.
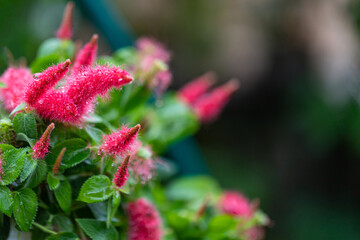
{"x":43,"y":205}
{"x":102,"y":166}
{"x":109,"y":217}
{"x":81,"y":232}
{"x":44,"y":229}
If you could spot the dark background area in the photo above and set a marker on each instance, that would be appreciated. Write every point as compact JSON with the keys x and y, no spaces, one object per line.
{"x":291,"y":134}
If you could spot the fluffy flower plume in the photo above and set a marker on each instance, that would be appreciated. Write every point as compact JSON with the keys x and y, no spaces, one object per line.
{"x":162,"y":81}
{"x":41,"y":148}
{"x":254,"y":233}
{"x":83,"y":87}
{"x":65,"y":30}
{"x":16,"y":80}
{"x":143,"y":166}
{"x":153,"y":64}
{"x":192,"y":91}
{"x":209,"y":106}
{"x":45,"y":81}
{"x":144,"y":221}
{"x":148,"y":46}
{"x":57,"y":106}
{"x":122,"y":142}
{"x":236,"y":204}
{"x":86,"y":56}
{"x":122,"y":173}
{"x":57,"y":163}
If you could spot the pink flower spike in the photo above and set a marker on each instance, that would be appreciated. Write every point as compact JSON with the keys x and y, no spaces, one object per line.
{"x":65,"y":30}
{"x":86,"y":56}
{"x":209,"y":106}
{"x":254,"y":233}
{"x":57,"y":163}
{"x":148,"y":46}
{"x":122,"y":173}
{"x":41,"y":148}
{"x":236,"y":204}
{"x":192,"y":91}
{"x":144,"y":221}
{"x":163,"y":80}
{"x":122,"y":142}
{"x":45,"y":81}
{"x":143,"y":166}
{"x":83,"y":87}
{"x":56,"y":106}
{"x":16,"y":80}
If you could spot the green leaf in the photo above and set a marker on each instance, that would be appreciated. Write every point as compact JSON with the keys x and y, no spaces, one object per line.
{"x":63,"y":223}
{"x":42,"y":63}
{"x":53,"y":181}
{"x":64,"y":236}
{"x":63,"y":196}
{"x":125,"y":55}
{"x":76,"y":152}
{"x":170,"y":122}
{"x":179,"y":220}
{"x":23,"y":137}
{"x":116,"y":200}
{"x":13,"y":161}
{"x":25,"y":208}
{"x":37,"y":176}
{"x":50,"y":46}
{"x":221,"y":224}
{"x":29,"y":166}
{"x":97,"y":230}
{"x":99,"y":210}
{"x":95,"y":134}
{"x":96,"y":189}
{"x":192,"y":188}
{"x":18,"y":108}
{"x":6,"y":200}
{"x":6,"y":147}
{"x":25,"y":123}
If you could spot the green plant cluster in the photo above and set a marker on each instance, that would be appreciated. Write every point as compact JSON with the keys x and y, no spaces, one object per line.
{"x":80,"y":200}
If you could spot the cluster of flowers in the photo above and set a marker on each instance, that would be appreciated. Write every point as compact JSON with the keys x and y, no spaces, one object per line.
{"x":66,"y":93}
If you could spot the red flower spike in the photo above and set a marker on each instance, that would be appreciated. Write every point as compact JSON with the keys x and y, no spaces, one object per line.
{"x":41,"y":148}
{"x":57,"y":163}
{"x":192,"y":91}
{"x":56,"y":106}
{"x":209,"y":106}
{"x":143,"y":166}
{"x":83,"y":87}
{"x":254,"y":233}
{"x":122,"y":173}
{"x":144,"y":221}
{"x":45,"y":81}
{"x":236,"y":204}
{"x":122,"y":142}
{"x":65,"y":30}
{"x":16,"y":80}
{"x":86,"y":56}
{"x":148,"y":46}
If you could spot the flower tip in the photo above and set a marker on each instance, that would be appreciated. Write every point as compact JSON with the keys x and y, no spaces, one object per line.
{"x":65,"y":29}
{"x":136,"y":129}
{"x":94,"y":40}
{"x":51,"y":126}
{"x":211,"y":77}
{"x":67,"y":63}
{"x":233,"y":85}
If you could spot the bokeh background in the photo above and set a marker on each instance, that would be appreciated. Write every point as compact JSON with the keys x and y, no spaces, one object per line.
{"x":291,"y":134}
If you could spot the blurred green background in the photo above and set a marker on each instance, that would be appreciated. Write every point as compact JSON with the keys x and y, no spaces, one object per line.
{"x":291,"y":134}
